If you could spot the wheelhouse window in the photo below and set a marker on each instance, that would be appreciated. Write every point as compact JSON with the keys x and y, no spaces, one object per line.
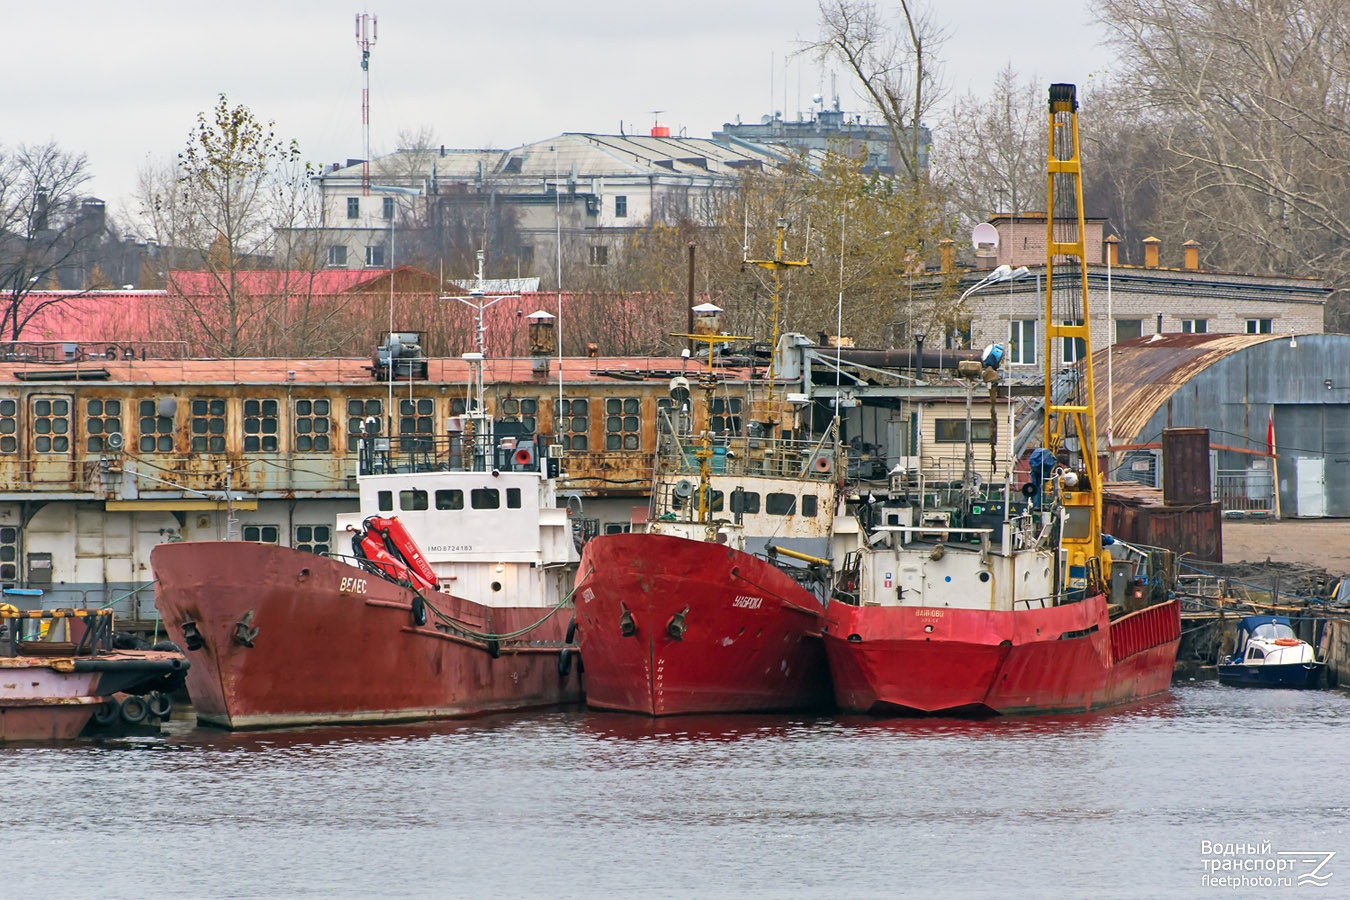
{"x":156,"y":430}
{"x":452,"y":498}
{"x":776,"y":504}
{"x":485,"y":498}
{"x":103,"y":419}
{"x":260,"y":425}
{"x":745,"y":502}
{"x":312,"y":425}
{"x":208,"y":425}
{"x":412,"y":500}
{"x":622,"y":423}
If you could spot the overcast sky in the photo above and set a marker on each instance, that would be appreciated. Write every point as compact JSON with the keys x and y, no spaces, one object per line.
{"x":123,"y":83}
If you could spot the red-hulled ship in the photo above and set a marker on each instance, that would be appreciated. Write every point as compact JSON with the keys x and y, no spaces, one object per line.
{"x":961,"y":600}
{"x":715,"y":603}
{"x":455,"y":599}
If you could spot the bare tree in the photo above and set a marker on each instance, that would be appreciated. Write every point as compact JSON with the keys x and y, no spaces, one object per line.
{"x":990,"y":152}
{"x":44,"y":228}
{"x":894,"y":64}
{"x":218,"y":210}
{"x":1256,"y":101}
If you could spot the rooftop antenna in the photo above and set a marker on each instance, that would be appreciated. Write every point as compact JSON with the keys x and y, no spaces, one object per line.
{"x":367,"y":31}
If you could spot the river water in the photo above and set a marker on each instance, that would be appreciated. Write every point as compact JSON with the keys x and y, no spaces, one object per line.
{"x":1139,"y":803}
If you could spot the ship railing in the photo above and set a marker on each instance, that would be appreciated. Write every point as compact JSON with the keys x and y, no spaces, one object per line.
{"x":456,"y":452}
{"x":805,"y":460}
{"x":53,"y":632}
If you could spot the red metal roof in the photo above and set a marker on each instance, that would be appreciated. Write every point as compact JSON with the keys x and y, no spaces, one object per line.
{"x":613,"y":370}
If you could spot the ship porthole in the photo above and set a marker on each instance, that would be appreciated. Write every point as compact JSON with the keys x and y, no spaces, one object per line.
{"x":855,"y":639}
{"x":928,"y":628}
{"x":496,"y":585}
{"x":984,"y":576}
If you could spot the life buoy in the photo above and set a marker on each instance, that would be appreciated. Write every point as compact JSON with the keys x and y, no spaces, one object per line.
{"x":1287,"y":642}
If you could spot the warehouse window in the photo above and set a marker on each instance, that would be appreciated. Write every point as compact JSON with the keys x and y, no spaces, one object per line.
{"x":51,"y":425}
{"x":208,"y":425}
{"x":313,"y":538}
{"x":103,"y":418}
{"x":9,"y":426}
{"x":260,"y":426}
{"x":358,"y":412}
{"x":1022,"y":342}
{"x":575,"y":425}
{"x":156,"y":430}
{"x":622,"y":423}
{"x":311,"y":426}
{"x":261,"y":534}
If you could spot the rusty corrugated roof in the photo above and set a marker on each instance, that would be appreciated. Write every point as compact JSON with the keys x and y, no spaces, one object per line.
{"x":1145,"y":372}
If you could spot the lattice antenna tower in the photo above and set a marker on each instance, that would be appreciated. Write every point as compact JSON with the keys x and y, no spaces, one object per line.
{"x":367,"y":32}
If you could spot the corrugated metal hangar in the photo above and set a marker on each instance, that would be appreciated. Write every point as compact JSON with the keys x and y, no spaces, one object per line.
{"x":1262,"y":397}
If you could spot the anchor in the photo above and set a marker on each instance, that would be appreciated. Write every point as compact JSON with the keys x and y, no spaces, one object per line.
{"x":676,"y":628}
{"x":243,"y":634}
{"x":191,"y":636}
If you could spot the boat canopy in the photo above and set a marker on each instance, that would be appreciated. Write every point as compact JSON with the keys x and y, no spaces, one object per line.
{"x":1268,"y":628}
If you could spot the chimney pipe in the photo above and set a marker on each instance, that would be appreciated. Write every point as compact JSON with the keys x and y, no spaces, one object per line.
{"x":1152,"y":249}
{"x":1113,"y":250}
{"x":948,"y":248}
{"x":1191,"y":254}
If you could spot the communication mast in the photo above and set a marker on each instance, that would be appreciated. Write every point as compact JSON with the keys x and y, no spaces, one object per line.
{"x":367,"y":31}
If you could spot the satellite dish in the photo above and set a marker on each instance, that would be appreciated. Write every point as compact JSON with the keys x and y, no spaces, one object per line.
{"x":984,"y":234}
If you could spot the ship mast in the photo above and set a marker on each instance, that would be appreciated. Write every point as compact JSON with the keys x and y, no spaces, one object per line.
{"x":1070,"y":426}
{"x":775,"y":266}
